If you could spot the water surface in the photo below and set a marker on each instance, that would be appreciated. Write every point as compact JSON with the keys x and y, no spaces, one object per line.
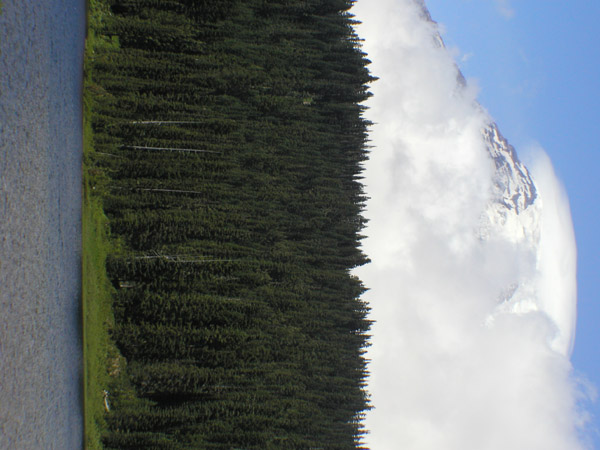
{"x":41,"y":44}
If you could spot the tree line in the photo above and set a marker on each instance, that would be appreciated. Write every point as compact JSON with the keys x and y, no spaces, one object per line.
{"x":232,"y":136}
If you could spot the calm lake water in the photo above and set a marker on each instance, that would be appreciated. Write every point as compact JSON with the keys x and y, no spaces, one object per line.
{"x":41,"y":44}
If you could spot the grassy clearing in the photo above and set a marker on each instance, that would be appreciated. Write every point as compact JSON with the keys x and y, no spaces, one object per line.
{"x":96,"y":299}
{"x":97,"y":318}
{"x":102,"y":361}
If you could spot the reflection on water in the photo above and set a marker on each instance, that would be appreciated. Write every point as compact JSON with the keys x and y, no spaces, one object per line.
{"x":41,"y":46}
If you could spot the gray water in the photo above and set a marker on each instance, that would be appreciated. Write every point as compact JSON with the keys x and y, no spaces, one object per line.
{"x":41,"y":44}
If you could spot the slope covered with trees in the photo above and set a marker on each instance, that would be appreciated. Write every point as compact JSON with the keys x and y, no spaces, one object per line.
{"x":232,"y":137}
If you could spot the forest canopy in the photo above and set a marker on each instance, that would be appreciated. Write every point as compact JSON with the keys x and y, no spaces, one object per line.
{"x":232,"y":137}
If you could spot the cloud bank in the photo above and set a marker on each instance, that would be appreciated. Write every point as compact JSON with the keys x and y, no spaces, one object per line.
{"x":453,"y":366}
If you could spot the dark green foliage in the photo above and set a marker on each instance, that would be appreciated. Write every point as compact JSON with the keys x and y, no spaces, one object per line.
{"x":232,"y":135}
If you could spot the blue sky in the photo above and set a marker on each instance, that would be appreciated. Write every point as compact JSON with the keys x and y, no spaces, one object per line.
{"x":537,"y":65}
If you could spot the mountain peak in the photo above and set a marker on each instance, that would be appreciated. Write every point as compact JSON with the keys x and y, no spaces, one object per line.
{"x":513,"y":212}
{"x":514,"y":187}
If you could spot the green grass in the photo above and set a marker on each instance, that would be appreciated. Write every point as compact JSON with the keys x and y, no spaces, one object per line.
{"x":97,"y":319}
{"x":96,"y":296}
{"x":102,"y":361}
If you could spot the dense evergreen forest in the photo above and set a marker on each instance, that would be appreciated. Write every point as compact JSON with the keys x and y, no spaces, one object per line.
{"x":232,"y":137}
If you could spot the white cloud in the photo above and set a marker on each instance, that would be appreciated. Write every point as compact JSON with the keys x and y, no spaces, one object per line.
{"x":445,"y":376}
{"x":466,"y":57}
{"x":505,"y":8}
{"x":558,"y":258}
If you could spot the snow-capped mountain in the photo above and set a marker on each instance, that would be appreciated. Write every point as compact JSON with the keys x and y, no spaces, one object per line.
{"x":513,"y":181}
{"x":514,"y":209}
{"x":515,"y":218}
{"x":513,"y":215}
{"x":513,"y":212}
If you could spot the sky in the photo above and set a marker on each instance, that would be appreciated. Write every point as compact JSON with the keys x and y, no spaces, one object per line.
{"x":449,"y":369}
{"x":537,"y":67}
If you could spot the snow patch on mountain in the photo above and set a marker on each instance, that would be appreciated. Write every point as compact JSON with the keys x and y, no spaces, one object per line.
{"x":515,"y":208}
{"x":517,"y":221}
